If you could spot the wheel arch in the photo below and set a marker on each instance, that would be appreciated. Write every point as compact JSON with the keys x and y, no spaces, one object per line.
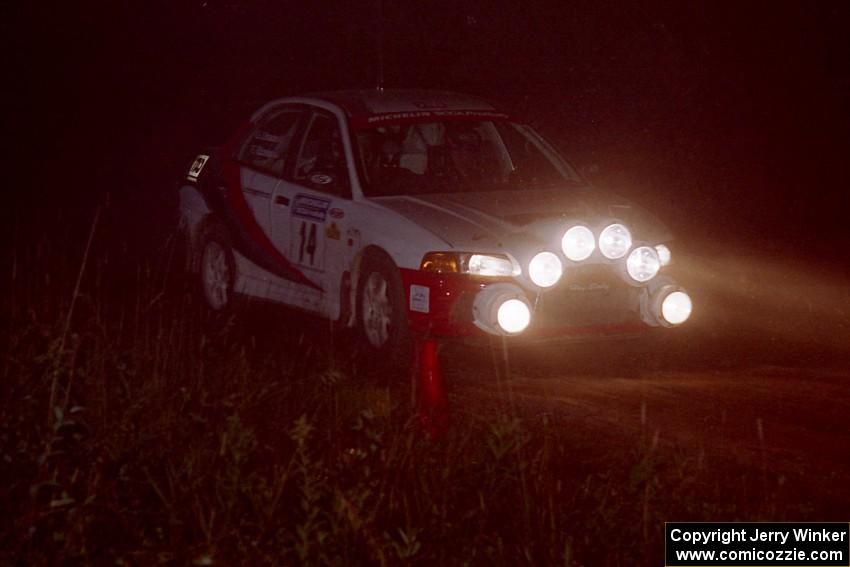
{"x":196,"y":215}
{"x":196,"y":234}
{"x":372,"y":250}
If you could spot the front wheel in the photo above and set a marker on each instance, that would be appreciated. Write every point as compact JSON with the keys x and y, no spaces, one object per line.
{"x":382,"y":317}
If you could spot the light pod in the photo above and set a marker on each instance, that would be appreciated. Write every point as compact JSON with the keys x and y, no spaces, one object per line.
{"x":664,"y":255}
{"x":643,"y":264}
{"x":676,"y":307}
{"x":545,"y":269}
{"x":614,"y":241}
{"x":666,"y":305}
{"x":501,"y":309}
{"x":578,"y":243}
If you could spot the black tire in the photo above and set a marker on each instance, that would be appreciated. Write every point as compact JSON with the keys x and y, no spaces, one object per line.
{"x":216,"y":269}
{"x":384,"y":337}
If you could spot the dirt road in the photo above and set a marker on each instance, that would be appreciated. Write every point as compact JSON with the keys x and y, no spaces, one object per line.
{"x":761,"y":376}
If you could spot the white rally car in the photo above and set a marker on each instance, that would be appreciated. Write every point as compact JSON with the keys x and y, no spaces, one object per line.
{"x":404,"y":212}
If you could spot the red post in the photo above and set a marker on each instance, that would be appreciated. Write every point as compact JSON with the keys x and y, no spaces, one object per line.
{"x":431,"y":401}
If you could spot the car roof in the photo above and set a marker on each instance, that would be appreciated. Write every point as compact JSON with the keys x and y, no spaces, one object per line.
{"x":375,"y":101}
{"x":380,"y":101}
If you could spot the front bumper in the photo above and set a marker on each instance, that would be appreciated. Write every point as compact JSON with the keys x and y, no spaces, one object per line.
{"x":590,"y":301}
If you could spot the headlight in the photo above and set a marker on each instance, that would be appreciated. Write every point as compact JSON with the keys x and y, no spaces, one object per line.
{"x":615,"y":241}
{"x":545,"y":269}
{"x":485,"y":265}
{"x":664,"y":255}
{"x":643,"y":264}
{"x":464,"y":263}
{"x":676,"y":307}
{"x":578,"y":243}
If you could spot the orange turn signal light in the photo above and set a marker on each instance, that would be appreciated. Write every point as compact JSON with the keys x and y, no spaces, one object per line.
{"x":441,"y":262}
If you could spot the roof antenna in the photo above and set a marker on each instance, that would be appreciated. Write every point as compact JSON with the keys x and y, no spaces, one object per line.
{"x":380,"y":85}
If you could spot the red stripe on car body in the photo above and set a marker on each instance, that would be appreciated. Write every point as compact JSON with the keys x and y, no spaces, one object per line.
{"x":233,"y":181}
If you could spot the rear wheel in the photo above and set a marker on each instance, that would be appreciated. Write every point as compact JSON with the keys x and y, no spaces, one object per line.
{"x":217,"y":270}
{"x":382,"y":317}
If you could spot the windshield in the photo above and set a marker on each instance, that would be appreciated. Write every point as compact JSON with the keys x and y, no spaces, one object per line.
{"x":457,"y":156}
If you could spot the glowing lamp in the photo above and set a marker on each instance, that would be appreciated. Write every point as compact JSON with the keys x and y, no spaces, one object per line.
{"x":578,"y":243}
{"x":545,"y":269}
{"x":614,"y":241}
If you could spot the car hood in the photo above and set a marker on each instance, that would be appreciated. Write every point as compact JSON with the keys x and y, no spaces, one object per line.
{"x":487,"y":221}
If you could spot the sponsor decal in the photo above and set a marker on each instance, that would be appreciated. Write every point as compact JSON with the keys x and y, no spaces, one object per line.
{"x":197,"y":167}
{"x":423,"y":104}
{"x":337,"y":213}
{"x":420,"y":298}
{"x":333,"y":232}
{"x":321,"y":179}
{"x":310,"y":207}
{"x":418,"y":116}
{"x":589,"y":287}
{"x":353,"y":237}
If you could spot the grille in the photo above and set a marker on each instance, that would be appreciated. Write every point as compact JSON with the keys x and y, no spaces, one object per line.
{"x":588,"y":295}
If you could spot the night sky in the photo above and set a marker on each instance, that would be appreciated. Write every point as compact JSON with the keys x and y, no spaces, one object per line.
{"x":730,"y":120}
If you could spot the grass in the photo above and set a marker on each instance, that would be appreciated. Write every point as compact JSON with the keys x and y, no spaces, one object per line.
{"x":133,"y":434}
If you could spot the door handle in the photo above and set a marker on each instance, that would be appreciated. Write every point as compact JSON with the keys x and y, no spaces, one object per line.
{"x":281,"y":200}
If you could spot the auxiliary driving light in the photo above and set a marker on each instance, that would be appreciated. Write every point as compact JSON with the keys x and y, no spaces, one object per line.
{"x":664,"y":255}
{"x":676,"y":307}
{"x":643,"y":264}
{"x":665,"y":303}
{"x":545,"y":269}
{"x":513,"y":316}
{"x":578,"y":243}
{"x":501,"y":309}
{"x":615,"y":241}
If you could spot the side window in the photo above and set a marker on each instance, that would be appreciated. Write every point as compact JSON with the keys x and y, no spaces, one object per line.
{"x":267,"y":148}
{"x":321,"y":161}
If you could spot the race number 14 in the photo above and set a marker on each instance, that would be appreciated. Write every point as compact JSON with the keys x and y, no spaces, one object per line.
{"x":307,"y":245}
